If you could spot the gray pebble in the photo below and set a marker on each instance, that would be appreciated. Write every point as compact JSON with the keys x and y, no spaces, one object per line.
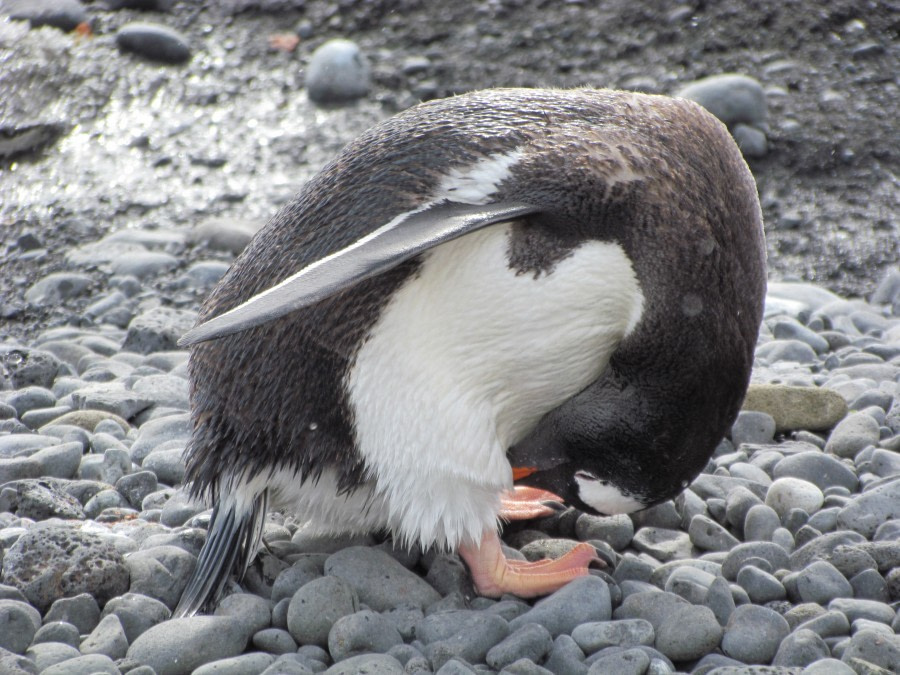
{"x":776,"y":556}
{"x":371,"y":664}
{"x":828,"y":667}
{"x":89,"y":664}
{"x":753,"y":634}
{"x":821,"y":582}
{"x":688,"y":632}
{"x":708,"y":535}
{"x":667,"y":515}
{"x":154,"y":433}
{"x":690,"y":583}
{"x":136,"y":486}
{"x":274,"y":641}
{"x":761,"y":586}
{"x":873,"y":647}
{"x":720,"y":600}
{"x":870,"y":585}
{"x":245,"y":664}
{"x":154,"y":42}
{"x":830,"y":546}
{"x":731,"y":97}
{"x":566,"y":657}
{"x":58,"y":631}
{"x":663,"y":544}
{"x":753,"y":427}
{"x":252,"y":611}
{"x":855,"y":609}
{"x":596,"y":635}
{"x":158,"y":330}
{"x":786,"y":351}
{"x":801,"y":648}
{"x":160,"y":572}
{"x":751,"y":141}
{"x":107,"y":638}
{"x":788,"y":493}
{"x":316,"y":606}
{"x":760,"y":523}
{"x":111,"y":397}
{"x":18,"y":624}
{"x":136,"y":613}
{"x":57,"y":287}
{"x":531,"y":641}
{"x":181,"y":645}
{"x":465,"y":634}
{"x":583,"y":599}
{"x":380,"y":581}
{"x":653,"y":606}
{"x":524,"y":667}
{"x":852,"y":434}
{"x":789,"y":328}
{"x":46,"y":654}
{"x":616,"y":530}
{"x":360,"y":633}
{"x":829,"y":624}
{"x":872,"y":508}
{"x":288,"y":664}
{"x":447,"y":574}
{"x":627,"y":662}
{"x":168,"y":465}
{"x":338,"y":72}
{"x":820,"y":469}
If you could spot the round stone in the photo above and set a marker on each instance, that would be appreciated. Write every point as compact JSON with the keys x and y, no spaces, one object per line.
{"x":754,"y":633}
{"x":793,"y":493}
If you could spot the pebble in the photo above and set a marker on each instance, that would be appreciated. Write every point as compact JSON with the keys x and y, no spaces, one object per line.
{"x":107,"y":638}
{"x":56,"y":288}
{"x":532,"y":641}
{"x":617,"y":531}
{"x":160,"y":572}
{"x":852,"y":435}
{"x":793,"y":493}
{"x":731,"y":97}
{"x":753,"y":427}
{"x":338,"y":72}
{"x":688,"y":632}
{"x":62,"y":14}
{"x":663,"y":544}
{"x":875,"y":648}
{"x":136,"y":613}
{"x":761,"y":586}
{"x":626,"y":662}
{"x":820,"y":469}
{"x":854,"y":608}
{"x":865,"y":513}
{"x":776,"y":557}
{"x":792,"y":408}
{"x":754,"y":634}
{"x":362,"y":632}
{"x":316,"y":606}
{"x":154,"y":41}
{"x":821,"y":582}
{"x":583,"y":599}
{"x":181,"y":645}
{"x":81,"y":611}
{"x":157,"y":330}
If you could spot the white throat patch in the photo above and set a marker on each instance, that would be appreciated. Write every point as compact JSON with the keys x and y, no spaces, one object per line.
{"x":606,"y":498}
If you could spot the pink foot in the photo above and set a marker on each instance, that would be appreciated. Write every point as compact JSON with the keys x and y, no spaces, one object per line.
{"x":494,"y":575}
{"x":522,"y":503}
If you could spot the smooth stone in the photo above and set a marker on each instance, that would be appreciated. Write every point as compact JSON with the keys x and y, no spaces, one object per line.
{"x":828,"y":666}
{"x":224,"y":234}
{"x":853,"y":434}
{"x":760,"y":523}
{"x":316,"y":606}
{"x":111,"y":397}
{"x":380,"y":581}
{"x":254,"y":612}
{"x":688,"y":632}
{"x":761,"y":586}
{"x":617,"y":530}
{"x":360,"y":633}
{"x":181,"y":645}
{"x":789,"y":328}
{"x":274,"y":641}
{"x":370,"y":664}
{"x":801,"y":648}
{"x":663,"y":544}
{"x":306,"y":568}
{"x":58,"y":287}
{"x":87,"y":420}
{"x":136,"y":613}
{"x":738,"y":502}
{"x":463,"y":634}
{"x":244,"y":664}
{"x":164,"y":390}
{"x":338,"y":72}
{"x":107,"y":638}
{"x":872,"y":508}
{"x":89,"y":664}
{"x":792,"y":408}
{"x":168,"y":465}
{"x":624,"y":662}
{"x":690,"y":583}
{"x":160,"y":572}
{"x":821,"y":582}
{"x":158,"y":330}
{"x":775,"y":555}
{"x":720,"y":599}
{"x":752,"y":426}
{"x":653,"y":606}
{"x":708,"y":535}
{"x":855,"y":609}
{"x":782,"y":351}
{"x":531,"y":641}
{"x":753,"y":634}
{"x":793,"y":493}
{"x":820,"y":469}
{"x":596,"y":635}
{"x":710,"y":486}
{"x":46,"y":654}
{"x":581,"y":600}
{"x":566,"y":657}
{"x":751,"y":141}
{"x":875,"y":648}
{"x":19,"y":622}
{"x":58,"y":631}
{"x":731,"y":97}
{"x":830,"y":623}
{"x":155,"y":42}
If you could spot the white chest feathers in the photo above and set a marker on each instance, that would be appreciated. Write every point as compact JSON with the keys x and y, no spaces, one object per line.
{"x":464,"y":360}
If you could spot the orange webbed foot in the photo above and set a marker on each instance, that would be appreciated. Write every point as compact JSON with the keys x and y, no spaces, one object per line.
{"x":493,"y":574}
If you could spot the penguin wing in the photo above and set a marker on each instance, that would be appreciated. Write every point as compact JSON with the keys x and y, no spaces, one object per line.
{"x":400,"y":239}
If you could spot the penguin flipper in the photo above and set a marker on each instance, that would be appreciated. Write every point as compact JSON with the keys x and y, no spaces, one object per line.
{"x":233,"y":539}
{"x":402,"y":238}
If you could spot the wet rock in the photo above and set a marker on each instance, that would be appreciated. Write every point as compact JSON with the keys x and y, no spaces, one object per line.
{"x":154,"y":42}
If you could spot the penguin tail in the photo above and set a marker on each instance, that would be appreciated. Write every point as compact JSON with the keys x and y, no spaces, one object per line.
{"x":232,"y":540}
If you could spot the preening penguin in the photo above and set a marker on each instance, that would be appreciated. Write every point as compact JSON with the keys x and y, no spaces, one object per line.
{"x":561,"y":287}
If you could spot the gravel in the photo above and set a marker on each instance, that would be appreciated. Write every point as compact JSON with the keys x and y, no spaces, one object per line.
{"x":782,"y":553}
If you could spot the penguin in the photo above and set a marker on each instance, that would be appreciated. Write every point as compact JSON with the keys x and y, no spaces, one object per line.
{"x":483,"y":306}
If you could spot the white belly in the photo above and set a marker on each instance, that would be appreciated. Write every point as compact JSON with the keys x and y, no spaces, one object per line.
{"x":464,"y":361}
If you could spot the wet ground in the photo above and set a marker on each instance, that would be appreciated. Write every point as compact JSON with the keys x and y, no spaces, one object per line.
{"x":129,"y":143}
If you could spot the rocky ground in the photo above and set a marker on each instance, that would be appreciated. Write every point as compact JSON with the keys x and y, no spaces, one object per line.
{"x":127,"y":184}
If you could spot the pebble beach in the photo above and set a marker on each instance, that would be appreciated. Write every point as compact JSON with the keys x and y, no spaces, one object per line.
{"x":782,"y":557}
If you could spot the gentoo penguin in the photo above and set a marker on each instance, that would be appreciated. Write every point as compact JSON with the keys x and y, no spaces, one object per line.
{"x":563,"y":287}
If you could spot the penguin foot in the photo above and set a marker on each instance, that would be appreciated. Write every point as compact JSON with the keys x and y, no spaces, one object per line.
{"x":493,"y":574}
{"x":523,"y":503}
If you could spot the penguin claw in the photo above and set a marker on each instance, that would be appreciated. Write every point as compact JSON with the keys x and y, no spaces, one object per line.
{"x":524,"y":503}
{"x":493,"y":574}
